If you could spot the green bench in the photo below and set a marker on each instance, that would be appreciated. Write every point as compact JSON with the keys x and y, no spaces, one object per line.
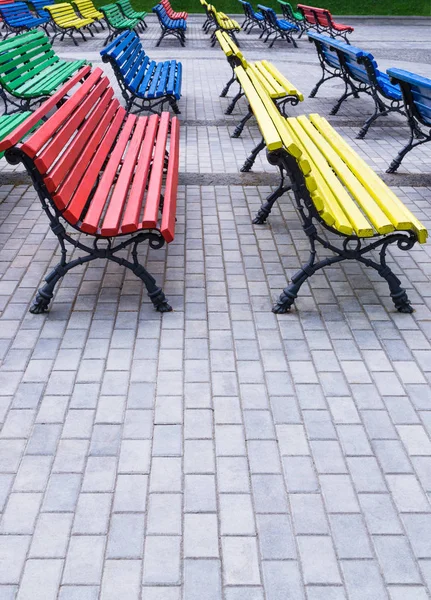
{"x":30,"y":70}
{"x":333,"y":186}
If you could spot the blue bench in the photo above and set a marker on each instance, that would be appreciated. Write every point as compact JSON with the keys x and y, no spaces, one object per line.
{"x":144,"y":83}
{"x":360,"y":73}
{"x":17,"y":17}
{"x":252,"y":18}
{"x":416,"y":92}
{"x":174,"y":27}
{"x":281,"y":28}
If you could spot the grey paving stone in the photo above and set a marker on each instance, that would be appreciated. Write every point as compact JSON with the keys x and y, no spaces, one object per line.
{"x":161,"y":560}
{"x":202,"y":579}
{"x":363,"y":580}
{"x":240,"y":558}
{"x":275,"y":538}
{"x":350,"y":536}
{"x":13,"y":551}
{"x":84,"y":560}
{"x":41,"y":579}
{"x":282,"y":580}
{"x":51,"y":535}
{"x":200,"y":493}
{"x":396,"y":559}
{"x":121,"y":578}
{"x":318,"y":560}
{"x":126,"y":536}
{"x":308,"y":514}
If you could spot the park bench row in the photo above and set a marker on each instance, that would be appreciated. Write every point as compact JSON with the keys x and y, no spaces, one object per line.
{"x":295,"y":21}
{"x":269,"y":24}
{"x":30,"y":71}
{"x":395,"y":91}
{"x":114,"y":180}
{"x":64,"y":19}
{"x":331,"y":185}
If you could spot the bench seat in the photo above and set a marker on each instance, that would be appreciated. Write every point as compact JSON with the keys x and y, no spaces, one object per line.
{"x":116,"y":176}
{"x":10,"y":122}
{"x":333,"y":185}
{"x":30,"y":70}
{"x":145,"y":84}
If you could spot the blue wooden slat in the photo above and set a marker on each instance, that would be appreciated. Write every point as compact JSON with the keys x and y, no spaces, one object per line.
{"x":147,"y":78}
{"x":135,"y":84}
{"x":151,"y":91}
{"x":161,"y":85}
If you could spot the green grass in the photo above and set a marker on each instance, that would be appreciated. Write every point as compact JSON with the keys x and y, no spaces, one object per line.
{"x":337,"y":7}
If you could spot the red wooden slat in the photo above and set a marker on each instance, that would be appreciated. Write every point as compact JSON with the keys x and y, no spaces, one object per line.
{"x":155,"y":185}
{"x":167,"y":228}
{"x":111,"y":222}
{"x":73,"y":152}
{"x":133,"y":209}
{"x":59,"y":141}
{"x":17,"y":134}
{"x":104,"y":188}
{"x":68,"y":195}
{"x":47,"y":130}
{"x":91,"y":220}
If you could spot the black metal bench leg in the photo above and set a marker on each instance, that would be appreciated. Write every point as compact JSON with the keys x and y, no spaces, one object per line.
{"x":344,"y":97}
{"x":365,"y":127}
{"x":239,"y":128}
{"x":409,"y":146}
{"x":227,"y":86}
{"x":231,"y":106}
{"x":246,"y":167}
{"x":265,"y":210}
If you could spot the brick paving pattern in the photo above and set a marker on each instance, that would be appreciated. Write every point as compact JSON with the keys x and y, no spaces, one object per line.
{"x":220,"y":452}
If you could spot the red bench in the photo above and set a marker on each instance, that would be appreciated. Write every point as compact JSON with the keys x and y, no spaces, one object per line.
{"x":106,"y":173}
{"x":172,"y":14}
{"x":323,"y":21}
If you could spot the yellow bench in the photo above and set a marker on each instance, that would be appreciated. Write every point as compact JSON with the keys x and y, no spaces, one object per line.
{"x":66,"y":21}
{"x":220,"y":21}
{"x":87,"y":10}
{"x":280,"y":89}
{"x":334,"y":186}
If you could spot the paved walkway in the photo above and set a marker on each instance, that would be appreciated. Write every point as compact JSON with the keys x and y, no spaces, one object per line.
{"x":220,"y":452}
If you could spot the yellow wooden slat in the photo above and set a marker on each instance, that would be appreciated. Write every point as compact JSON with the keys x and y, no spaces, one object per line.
{"x":266,"y":84}
{"x":275,"y":90}
{"x":274,"y":116}
{"x":402,"y":218}
{"x":281,"y":79}
{"x":366,"y":202}
{"x":269,"y":132}
{"x":346,"y":213}
{"x":223,"y":43}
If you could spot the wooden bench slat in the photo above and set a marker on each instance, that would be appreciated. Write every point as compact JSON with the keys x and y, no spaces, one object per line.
{"x":115,"y":120}
{"x":151,"y":209}
{"x":70,"y":156}
{"x":400,"y":215}
{"x":133,"y":209}
{"x":167,"y":227}
{"x":58,"y":140}
{"x":44,"y":133}
{"x":112,"y":219}
{"x":372,"y":210}
{"x":288,"y":86}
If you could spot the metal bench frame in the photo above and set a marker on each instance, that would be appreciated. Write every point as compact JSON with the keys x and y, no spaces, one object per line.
{"x":351,"y":248}
{"x":273,"y":27}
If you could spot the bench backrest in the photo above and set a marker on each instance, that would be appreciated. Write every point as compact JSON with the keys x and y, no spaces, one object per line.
{"x":325,"y":48}
{"x":113,"y":14}
{"x":161,"y":13}
{"x":15,"y":12}
{"x":86,"y":8}
{"x":416,"y":92}
{"x":62,"y":13}
{"x":268,"y":13}
{"x":24,"y":56}
{"x":126,"y":52}
{"x":39,"y":7}
{"x":308,"y":13}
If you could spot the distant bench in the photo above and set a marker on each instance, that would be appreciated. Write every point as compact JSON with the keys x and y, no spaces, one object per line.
{"x":145,"y":84}
{"x":323,"y":21}
{"x":360,"y":73}
{"x":30,"y":70}
{"x":169,"y":26}
{"x":332,"y":185}
{"x":280,"y":28}
{"x":279,"y":89}
{"x":115,"y":180}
